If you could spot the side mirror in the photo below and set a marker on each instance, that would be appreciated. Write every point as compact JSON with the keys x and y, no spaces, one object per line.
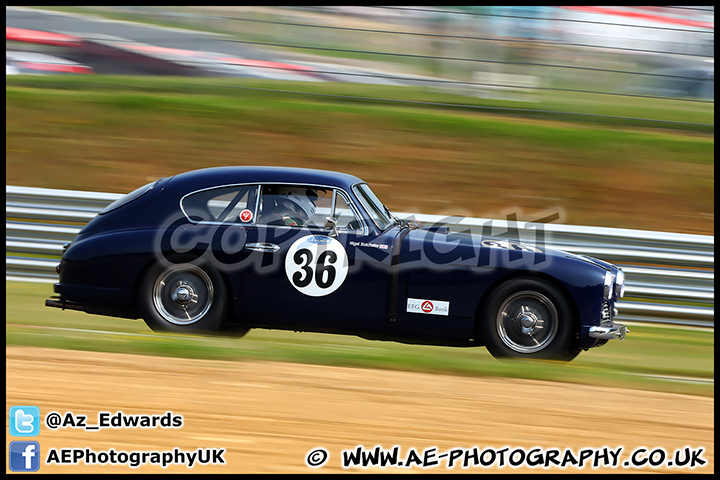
{"x":331,"y":224}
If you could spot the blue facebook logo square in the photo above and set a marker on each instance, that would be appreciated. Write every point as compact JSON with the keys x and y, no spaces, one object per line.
{"x":24,"y":421}
{"x":24,"y":456}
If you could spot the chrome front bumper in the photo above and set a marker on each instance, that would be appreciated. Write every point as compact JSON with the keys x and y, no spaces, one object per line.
{"x":609,"y":331}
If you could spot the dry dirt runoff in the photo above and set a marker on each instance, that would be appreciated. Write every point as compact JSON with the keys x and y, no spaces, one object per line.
{"x":268,"y":417}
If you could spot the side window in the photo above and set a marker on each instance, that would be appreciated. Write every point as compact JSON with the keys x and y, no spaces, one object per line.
{"x":235,"y":204}
{"x":294,"y":205}
{"x":303,"y":206}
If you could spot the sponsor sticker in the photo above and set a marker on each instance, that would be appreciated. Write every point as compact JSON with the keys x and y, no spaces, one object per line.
{"x":246,"y":215}
{"x":319,"y":240}
{"x":428,"y":307}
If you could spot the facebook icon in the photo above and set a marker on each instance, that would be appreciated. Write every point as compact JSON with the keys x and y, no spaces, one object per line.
{"x":24,"y":456}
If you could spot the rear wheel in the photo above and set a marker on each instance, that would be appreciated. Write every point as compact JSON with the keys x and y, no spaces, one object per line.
{"x":527,"y":318}
{"x":183,"y":297}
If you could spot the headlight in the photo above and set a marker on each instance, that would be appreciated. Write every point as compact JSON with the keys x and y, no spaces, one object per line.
{"x":620,"y":284}
{"x":608,"y":285}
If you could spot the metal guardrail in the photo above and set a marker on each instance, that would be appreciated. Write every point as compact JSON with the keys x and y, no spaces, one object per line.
{"x":669,"y":276}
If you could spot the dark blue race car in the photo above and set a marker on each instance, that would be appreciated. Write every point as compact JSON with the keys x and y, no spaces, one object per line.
{"x":232,"y":248}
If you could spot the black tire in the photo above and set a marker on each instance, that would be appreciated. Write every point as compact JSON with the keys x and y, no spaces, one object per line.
{"x":528,"y":318}
{"x":183,"y":298}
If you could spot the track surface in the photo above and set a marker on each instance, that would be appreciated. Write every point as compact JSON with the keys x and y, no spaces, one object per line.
{"x":269,"y":416}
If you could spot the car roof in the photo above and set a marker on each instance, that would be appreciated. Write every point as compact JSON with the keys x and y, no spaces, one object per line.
{"x":218,"y":176}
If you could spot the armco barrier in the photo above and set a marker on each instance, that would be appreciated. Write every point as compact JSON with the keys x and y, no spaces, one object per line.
{"x":669,"y":276}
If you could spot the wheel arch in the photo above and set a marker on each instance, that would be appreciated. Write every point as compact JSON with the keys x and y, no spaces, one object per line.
{"x":522,"y":275}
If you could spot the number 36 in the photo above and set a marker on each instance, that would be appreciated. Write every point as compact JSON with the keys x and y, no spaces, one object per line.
{"x":316,"y":265}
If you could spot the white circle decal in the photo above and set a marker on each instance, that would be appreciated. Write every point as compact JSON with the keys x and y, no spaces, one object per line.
{"x":316,"y":265}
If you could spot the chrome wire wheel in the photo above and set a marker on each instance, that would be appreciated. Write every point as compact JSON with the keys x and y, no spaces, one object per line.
{"x":183,"y":294}
{"x":527,"y":322}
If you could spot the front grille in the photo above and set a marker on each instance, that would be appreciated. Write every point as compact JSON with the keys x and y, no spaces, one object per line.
{"x":605,"y":312}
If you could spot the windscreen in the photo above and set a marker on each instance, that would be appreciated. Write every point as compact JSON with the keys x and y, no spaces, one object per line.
{"x":373,"y":206}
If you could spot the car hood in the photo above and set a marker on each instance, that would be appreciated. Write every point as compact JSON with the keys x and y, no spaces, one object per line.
{"x":459,"y":247}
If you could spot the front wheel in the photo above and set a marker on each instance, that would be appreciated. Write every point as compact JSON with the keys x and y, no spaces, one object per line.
{"x":184,"y":298}
{"x":527,"y":318}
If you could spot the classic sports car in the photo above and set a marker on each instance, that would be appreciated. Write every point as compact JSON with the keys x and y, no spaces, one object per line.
{"x":232,"y":248}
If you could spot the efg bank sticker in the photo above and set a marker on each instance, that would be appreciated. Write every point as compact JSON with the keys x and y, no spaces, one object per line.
{"x":428,"y":307}
{"x":316,"y":265}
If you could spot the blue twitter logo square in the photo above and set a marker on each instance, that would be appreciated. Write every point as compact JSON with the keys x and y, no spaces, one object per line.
{"x":24,"y":421}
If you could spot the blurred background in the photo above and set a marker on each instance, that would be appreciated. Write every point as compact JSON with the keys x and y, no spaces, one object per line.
{"x":604,"y":114}
{"x":663,"y":51}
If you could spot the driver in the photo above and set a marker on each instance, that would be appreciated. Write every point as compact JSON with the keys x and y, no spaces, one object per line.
{"x":294,"y":206}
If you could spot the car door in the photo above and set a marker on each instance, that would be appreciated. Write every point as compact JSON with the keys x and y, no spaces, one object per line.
{"x":314,"y":278}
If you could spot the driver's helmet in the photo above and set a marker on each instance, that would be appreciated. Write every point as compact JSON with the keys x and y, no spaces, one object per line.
{"x":299,"y":201}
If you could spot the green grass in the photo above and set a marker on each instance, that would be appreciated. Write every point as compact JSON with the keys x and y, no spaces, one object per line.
{"x":624,"y":109}
{"x":117,"y":133}
{"x":649,"y":358}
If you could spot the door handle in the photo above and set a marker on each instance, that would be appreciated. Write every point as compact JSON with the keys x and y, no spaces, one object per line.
{"x":263,"y":247}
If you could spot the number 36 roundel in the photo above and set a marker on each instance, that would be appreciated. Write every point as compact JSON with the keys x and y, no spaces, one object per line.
{"x":316,"y":265}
